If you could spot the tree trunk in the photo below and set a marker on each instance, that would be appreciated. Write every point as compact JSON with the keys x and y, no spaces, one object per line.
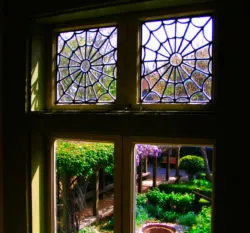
{"x":207,"y":168}
{"x":168,"y":164}
{"x":177,"y":163}
{"x":96,"y":194}
{"x":145,"y":166}
{"x":101,"y":181}
{"x":139,"y":178}
{"x":67,"y":208}
{"x":154,"y":171}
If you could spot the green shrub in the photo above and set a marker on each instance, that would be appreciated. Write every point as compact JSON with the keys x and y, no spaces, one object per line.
{"x":156,"y":197}
{"x":181,"y":203}
{"x":204,"y":186}
{"x":201,"y":176}
{"x":177,"y":188}
{"x":141,"y":216}
{"x":155,"y":211}
{"x":170,"y":216}
{"x":203,"y":222}
{"x":89,"y":229}
{"x":203,"y":202}
{"x":192,"y":165}
{"x":206,"y":191}
{"x":185,"y":188}
{"x":187,"y":219}
{"x":201,"y":183}
{"x":75,"y":158}
{"x":141,"y":199}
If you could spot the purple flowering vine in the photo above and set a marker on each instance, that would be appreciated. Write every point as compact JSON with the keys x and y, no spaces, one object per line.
{"x":146,"y":150}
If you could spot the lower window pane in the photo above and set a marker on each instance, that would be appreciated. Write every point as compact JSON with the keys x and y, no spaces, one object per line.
{"x":173,"y":188}
{"x":84,"y":186}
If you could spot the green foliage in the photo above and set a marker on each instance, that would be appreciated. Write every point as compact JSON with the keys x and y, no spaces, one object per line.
{"x":112,"y":88}
{"x":156,"y":197}
{"x":203,"y":222}
{"x":206,"y":191}
{"x":77,"y":159}
{"x":204,"y":186}
{"x":109,"y":225}
{"x":89,"y":229}
{"x":203,"y":202}
{"x":181,"y":203}
{"x":202,"y":183}
{"x":192,"y":164}
{"x":178,"y":202}
{"x":176,"y":207}
{"x":170,"y":216}
{"x":201,"y":176}
{"x":109,"y":170}
{"x":156,"y":211}
{"x":70,"y":159}
{"x":141,"y":199}
{"x":177,"y":187}
{"x":187,"y":219}
{"x":141,"y":216}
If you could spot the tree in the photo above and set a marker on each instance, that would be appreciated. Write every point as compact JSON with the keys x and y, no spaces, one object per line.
{"x":76,"y":163}
{"x":192,"y":164}
{"x":143,"y":151}
{"x":207,"y":168}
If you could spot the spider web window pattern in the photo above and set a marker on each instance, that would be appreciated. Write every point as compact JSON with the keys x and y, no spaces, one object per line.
{"x":176,"y":60}
{"x":86,"y":66}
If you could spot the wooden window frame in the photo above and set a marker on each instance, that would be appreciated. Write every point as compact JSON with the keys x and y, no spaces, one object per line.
{"x":47,"y":122}
{"x":43,"y":62}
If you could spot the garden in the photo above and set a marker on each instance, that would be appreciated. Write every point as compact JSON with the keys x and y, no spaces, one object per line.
{"x":174,"y":196}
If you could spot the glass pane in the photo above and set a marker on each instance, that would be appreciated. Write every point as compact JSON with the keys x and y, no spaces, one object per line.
{"x":86,"y":66}
{"x":173,"y":188}
{"x":176,"y":58}
{"x":84,"y":187}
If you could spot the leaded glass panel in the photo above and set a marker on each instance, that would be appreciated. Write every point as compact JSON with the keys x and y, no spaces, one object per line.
{"x":86,"y":66}
{"x":176,"y":60}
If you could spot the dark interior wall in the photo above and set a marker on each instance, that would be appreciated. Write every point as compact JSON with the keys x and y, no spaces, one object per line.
{"x":232,"y":153}
{"x":14,"y":127}
{"x":1,"y":117}
{"x":48,"y":7}
{"x":230,"y":180}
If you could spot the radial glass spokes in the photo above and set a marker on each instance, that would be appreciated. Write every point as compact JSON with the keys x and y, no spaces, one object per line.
{"x":86,"y":66}
{"x":176,"y":60}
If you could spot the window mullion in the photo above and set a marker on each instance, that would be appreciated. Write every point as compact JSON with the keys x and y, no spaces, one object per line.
{"x":128,"y":60}
{"x":128,"y":191}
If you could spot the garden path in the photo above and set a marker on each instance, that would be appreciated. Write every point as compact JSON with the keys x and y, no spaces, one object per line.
{"x":106,"y":204}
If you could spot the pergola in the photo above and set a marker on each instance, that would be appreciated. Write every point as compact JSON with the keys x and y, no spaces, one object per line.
{"x":167,"y":151}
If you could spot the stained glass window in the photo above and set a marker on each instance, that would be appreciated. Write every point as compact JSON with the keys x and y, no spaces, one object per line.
{"x":86,"y":66}
{"x":176,"y":60}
